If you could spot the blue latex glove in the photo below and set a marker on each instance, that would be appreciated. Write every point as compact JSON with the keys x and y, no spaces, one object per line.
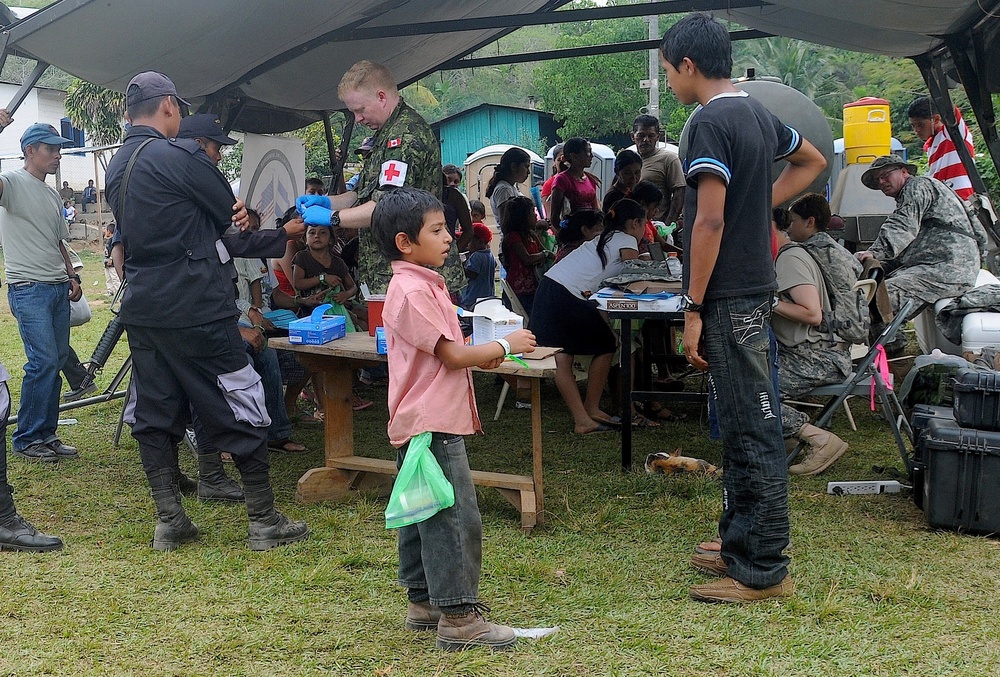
{"x":303,"y":202}
{"x":317,"y":215}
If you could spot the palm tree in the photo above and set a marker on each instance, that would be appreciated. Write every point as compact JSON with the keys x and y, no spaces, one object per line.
{"x":97,"y":110}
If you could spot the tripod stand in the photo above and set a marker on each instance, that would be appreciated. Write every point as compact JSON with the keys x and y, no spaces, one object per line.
{"x":102,"y":352}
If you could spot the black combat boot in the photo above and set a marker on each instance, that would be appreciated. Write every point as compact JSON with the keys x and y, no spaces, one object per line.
{"x":268,"y":527}
{"x":17,"y":533}
{"x":172,"y":526}
{"x":213,"y":483}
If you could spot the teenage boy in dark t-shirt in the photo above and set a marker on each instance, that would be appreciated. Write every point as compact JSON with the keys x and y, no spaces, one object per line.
{"x":733,"y":142}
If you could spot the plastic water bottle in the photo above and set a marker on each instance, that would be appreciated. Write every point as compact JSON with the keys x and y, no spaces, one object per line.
{"x":673,"y":264}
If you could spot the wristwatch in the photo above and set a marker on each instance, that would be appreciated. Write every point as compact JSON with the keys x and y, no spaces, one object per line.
{"x":689,"y":306}
{"x":334,"y":219}
{"x":322,"y":278}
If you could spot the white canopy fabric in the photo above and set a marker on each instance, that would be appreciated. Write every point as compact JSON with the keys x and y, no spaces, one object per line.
{"x":276,"y":64}
{"x":275,"y":56}
{"x":900,"y":28}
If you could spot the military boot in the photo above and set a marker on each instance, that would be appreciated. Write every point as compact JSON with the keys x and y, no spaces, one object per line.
{"x":17,"y":533}
{"x":213,"y":483}
{"x":268,"y":528}
{"x":824,"y":449}
{"x":173,"y":527}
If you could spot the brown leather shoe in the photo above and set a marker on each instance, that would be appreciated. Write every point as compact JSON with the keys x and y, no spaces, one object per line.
{"x":422,"y":616}
{"x":730,"y":590}
{"x":457,"y":633}
{"x":709,"y":563}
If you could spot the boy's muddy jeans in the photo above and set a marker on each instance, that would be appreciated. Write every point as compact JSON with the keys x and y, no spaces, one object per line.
{"x":443,"y":555}
{"x":754,"y":524}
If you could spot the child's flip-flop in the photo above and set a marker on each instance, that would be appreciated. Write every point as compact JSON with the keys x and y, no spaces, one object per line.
{"x":601,"y":428}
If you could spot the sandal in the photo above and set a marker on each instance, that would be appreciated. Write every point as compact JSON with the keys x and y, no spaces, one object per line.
{"x":640,"y":421}
{"x":287,"y":446}
{"x":358,"y":404}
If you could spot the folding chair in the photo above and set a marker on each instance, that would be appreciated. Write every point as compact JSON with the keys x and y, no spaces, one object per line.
{"x":860,"y":383}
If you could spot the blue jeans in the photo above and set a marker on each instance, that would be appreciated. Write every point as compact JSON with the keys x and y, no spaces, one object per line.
{"x":42,"y":312}
{"x":265,"y":363}
{"x":444,"y":554}
{"x":754,"y":524}
{"x":713,"y":416}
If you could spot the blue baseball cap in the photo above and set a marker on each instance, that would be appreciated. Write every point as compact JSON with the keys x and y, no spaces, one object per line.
{"x":150,"y":85}
{"x":42,"y":133}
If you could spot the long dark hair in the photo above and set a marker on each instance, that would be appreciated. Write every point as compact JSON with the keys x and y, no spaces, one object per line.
{"x":575,"y":223}
{"x":515,"y":214}
{"x":624,"y":211}
{"x":505,"y":170}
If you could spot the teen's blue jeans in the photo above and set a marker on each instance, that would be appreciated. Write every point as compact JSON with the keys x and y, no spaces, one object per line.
{"x":42,"y":312}
{"x":754,"y":524}
{"x":443,"y":555}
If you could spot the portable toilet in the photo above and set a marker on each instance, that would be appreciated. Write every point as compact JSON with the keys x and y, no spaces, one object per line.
{"x":867,"y":130}
{"x":479,"y":170}
{"x":602,"y":166}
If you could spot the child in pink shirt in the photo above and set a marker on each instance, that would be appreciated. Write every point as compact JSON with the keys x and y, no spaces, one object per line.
{"x":430,"y":390}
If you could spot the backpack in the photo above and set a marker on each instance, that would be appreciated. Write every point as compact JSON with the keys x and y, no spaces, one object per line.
{"x":849,"y":317}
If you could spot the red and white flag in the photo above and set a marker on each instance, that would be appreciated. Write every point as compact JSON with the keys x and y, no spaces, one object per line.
{"x":394,"y":143}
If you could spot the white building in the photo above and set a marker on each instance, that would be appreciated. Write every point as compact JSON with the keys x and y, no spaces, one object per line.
{"x":44,"y":104}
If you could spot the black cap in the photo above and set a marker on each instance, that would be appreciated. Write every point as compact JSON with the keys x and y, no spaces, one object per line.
{"x":204,"y":126}
{"x":150,"y":85}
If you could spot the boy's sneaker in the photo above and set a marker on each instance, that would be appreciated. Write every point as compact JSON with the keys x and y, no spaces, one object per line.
{"x":732,"y":591}
{"x":62,"y":450}
{"x":457,"y":633}
{"x":37,"y":451}
{"x":80,"y":393}
{"x":422,"y":616}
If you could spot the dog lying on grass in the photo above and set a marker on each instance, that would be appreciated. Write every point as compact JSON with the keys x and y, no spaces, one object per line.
{"x":672,"y":463}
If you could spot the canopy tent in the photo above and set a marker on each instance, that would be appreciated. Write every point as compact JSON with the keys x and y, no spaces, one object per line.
{"x":267,"y":66}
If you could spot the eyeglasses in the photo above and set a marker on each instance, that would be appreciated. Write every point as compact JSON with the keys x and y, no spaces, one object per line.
{"x":884,"y":176}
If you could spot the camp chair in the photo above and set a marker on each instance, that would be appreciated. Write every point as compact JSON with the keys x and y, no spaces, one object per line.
{"x":858,"y":351}
{"x":865,"y":377}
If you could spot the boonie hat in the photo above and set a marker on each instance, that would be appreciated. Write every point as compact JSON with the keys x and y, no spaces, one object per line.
{"x":205,"y":126}
{"x":42,"y":133}
{"x":868,"y":178}
{"x":150,"y":85}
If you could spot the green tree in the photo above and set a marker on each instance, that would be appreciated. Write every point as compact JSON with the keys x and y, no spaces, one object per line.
{"x":96,"y":110}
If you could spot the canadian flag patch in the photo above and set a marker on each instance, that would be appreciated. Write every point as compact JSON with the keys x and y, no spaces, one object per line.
{"x":394,"y":143}
{"x":393,"y":173}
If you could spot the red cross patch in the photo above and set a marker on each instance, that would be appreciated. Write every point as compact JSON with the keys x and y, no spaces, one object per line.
{"x":393,"y":173}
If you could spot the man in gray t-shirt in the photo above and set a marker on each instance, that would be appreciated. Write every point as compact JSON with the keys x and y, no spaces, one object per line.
{"x":40,"y":285}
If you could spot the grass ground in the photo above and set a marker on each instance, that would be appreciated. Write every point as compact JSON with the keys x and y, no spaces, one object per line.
{"x":878,"y":593}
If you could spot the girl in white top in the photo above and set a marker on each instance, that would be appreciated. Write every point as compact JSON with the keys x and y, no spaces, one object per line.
{"x":514,"y":167}
{"x":564,"y":317}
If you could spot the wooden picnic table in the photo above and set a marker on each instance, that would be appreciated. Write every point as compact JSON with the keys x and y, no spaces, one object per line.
{"x":343,"y":471}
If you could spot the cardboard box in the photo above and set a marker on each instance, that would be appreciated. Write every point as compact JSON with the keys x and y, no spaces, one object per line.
{"x":317,"y":329}
{"x":648,"y":300}
{"x":492,"y":320}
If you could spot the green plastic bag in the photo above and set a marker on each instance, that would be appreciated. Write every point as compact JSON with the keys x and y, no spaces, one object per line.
{"x":421,"y":490}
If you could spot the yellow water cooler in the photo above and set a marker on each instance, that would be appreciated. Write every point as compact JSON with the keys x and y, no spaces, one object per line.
{"x":867,"y":130}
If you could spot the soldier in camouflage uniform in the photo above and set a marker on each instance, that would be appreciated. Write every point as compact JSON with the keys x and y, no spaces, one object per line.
{"x":808,"y":355}
{"x":928,"y":246}
{"x":404,"y":152}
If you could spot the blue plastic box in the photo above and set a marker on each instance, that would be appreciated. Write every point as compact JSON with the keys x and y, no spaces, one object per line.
{"x":317,"y":329}
{"x":380,"y":344}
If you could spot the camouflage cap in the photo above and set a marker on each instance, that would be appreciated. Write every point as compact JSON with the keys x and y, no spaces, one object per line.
{"x":869,"y":177}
